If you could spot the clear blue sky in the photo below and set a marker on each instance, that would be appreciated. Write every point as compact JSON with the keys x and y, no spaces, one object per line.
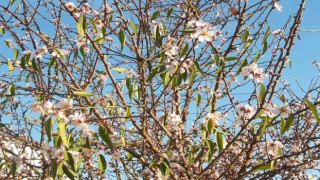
{"x":306,"y":49}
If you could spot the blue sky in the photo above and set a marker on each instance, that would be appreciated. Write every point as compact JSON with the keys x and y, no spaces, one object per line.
{"x":306,"y":49}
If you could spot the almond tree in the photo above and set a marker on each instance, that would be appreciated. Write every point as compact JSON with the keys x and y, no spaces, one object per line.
{"x":154,"y":90}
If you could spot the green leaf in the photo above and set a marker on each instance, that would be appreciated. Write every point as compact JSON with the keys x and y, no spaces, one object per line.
{"x":2,"y":30}
{"x":129,"y":156}
{"x":78,"y":165}
{"x":11,"y":90}
{"x":153,"y":72}
{"x":105,"y":136}
{"x":200,"y":154}
{"x":157,"y":35}
{"x":68,"y":172}
{"x":166,"y":78}
{"x":102,"y":163}
{"x":10,"y":67}
{"x":34,"y":65}
{"x":134,"y":27}
{"x":81,"y":25}
{"x":48,"y":127}
{"x":209,"y":125}
{"x":15,"y":54}
{"x":313,"y":109}
{"x":188,"y":31}
{"x":11,"y":2}
{"x":82,"y":93}
{"x":262,"y":92}
{"x":119,"y":69}
{"x":220,"y":141}
{"x":165,"y":167}
{"x":184,"y":50}
{"x":266,"y":35}
{"x":231,"y":58}
{"x":192,"y":76}
{"x":60,"y":169}
{"x":256,"y":58}
{"x":198,"y":67}
{"x":69,"y":158}
{"x":217,"y":59}
{"x":129,"y":87}
{"x":122,"y":38}
{"x":169,"y":12}
{"x":62,"y":130}
{"x":54,"y":168}
{"x":13,"y":170}
{"x":287,"y":124}
{"x":245,"y":35}
{"x":211,"y":149}
{"x":155,"y":15}
{"x":244,"y":63}
{"x":266,"y":166}
{"x":198,"y":99}
{"x":282,"y":124}
{"x":152,"y":163}
{"x":2,"y":125}
{"x":265,"y":47}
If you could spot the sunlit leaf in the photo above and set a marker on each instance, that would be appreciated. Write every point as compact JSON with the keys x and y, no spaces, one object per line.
{"x":313,"y":109}
{"x":220,"y":141}
{"x":122,"y":38}
{"x":287,"y":123}
{"x":105,"y":136}
{"x":102,"y":163}
{"x":119,"y":69}
{"x":184,"y":50}
{"x":262,"y":92}
{"x":10,"y":67}
{"x":81,"y":25}
{"x":155,"y":15}
{"x":170,"y":12}
{"x":48,"y":128}
{"x":82,"y":93}
{"x":62,"y":130}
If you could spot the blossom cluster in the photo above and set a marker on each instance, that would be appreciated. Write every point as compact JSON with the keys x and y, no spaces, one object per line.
{"x":254,"y":72}
{"x":204,"y":31}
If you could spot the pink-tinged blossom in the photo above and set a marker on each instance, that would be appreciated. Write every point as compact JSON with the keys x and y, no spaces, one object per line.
{"x":292,"y":161}
{"x":40,"y":51}
{"x":214,"y":117}
{"x":48,"y":107}
{"x":272,"y":148}
{"x":36,"y":107}
{"x":59,"y":154}
{"x":80,"y":42}
{"x":65,"y":104}
{"x":269,"y":111}
{"x":70,"y":6}
{"x":254,"y":72}
{"x":204,"y":31}
{"x":77,"y":118}
{"x":62,"y":52}
{"x":277,"y":32}
{"x":245,"y":112}
{"x":171,"y":52}
{"x":282,"y":110}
